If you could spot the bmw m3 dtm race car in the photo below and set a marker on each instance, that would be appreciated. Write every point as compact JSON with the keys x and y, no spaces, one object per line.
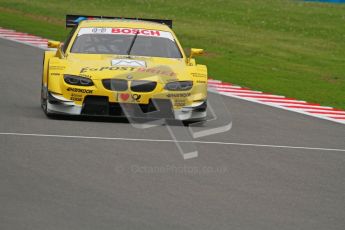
{"x":112,"y":66}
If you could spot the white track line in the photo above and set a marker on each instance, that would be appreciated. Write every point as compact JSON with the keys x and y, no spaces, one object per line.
{"x":170,"y":141}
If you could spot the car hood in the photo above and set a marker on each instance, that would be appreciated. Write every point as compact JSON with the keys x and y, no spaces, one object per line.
{"x":99,"y":67}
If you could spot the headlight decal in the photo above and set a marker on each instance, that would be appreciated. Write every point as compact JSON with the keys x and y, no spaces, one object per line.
{"x":179,"y":85}
{"x":76,"y":80}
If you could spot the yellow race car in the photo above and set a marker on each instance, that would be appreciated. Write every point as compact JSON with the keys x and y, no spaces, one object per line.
{"x":111,"y":66}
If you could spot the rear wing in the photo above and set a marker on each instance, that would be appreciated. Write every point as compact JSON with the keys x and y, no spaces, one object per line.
{"x":73,"y":20}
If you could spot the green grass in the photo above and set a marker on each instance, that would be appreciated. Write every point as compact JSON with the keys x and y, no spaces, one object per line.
{"x":285,"y":47}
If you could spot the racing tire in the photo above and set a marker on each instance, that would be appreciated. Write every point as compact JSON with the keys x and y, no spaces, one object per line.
{"x":44,"y":102}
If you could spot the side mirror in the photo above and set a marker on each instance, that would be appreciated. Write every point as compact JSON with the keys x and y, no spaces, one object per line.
{"x":54,"y":44}
{"x":195,"y":52}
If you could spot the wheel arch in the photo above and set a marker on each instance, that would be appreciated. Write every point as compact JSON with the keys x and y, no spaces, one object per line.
{"x":46,"y":58}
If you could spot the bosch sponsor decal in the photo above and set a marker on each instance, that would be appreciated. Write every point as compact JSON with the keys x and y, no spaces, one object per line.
{"x":76,"y":90}
{"x":127,"y":31}
{"x":136,"y":31}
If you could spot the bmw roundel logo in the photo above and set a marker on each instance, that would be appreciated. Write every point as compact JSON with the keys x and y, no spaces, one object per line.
{"x":129,"y":77}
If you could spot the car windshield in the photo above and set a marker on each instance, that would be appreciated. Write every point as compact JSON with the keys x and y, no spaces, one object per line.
{"x":118,"y":40}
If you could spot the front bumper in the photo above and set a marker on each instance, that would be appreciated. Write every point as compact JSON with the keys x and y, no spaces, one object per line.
{"x":100,"y":106}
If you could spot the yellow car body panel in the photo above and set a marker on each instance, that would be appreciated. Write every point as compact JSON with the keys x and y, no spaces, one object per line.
{"x":100,"y":68}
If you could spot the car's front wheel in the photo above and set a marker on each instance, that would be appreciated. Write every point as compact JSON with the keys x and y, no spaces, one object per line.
{"x":44,"y":101}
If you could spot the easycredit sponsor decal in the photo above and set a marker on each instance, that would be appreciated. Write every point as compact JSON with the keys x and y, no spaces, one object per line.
{"x":126,"y":31}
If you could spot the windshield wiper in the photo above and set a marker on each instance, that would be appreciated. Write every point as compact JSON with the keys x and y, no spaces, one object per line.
{"x":132,"y":43}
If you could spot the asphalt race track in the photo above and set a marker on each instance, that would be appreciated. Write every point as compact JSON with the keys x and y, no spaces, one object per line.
{"x":57,"y":178}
